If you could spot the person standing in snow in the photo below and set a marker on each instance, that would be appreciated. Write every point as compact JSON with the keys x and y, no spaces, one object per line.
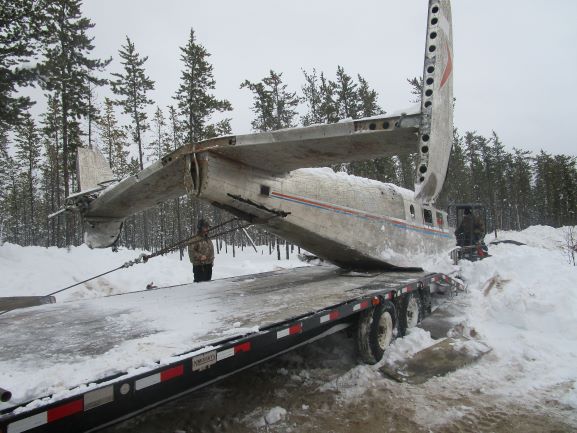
{"x":201,"y":253}
{"x":471,"y":230}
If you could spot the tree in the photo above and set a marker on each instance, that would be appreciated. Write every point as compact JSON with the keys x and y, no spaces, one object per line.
{"x":10,"y":221}
{"x":131,"y":87}
{"x":347,"y":97}
{"x":28,"y":156}
{"x":194,"y":96}
{"x":114,"y":140}
{"x":368,"y":105}
{"x":20,"y":35}
{"x":274,"y":106}
{"x":328,"y":106}
{"x":160,"y":145}
{"x":416,"y":88}
{"x":67,"y":72}
{"x":312,"y":97}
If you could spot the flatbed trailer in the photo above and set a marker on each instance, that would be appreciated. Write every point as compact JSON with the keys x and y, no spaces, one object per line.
{"x":104,"y":360}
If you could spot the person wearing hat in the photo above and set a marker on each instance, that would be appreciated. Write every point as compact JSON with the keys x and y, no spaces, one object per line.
{"x":201,"y":253}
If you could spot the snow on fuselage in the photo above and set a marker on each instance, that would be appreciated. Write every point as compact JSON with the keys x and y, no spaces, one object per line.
{"x":351,"y":221}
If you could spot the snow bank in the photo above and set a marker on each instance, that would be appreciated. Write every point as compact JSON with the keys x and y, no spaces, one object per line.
{"x":522,"y":302}
{"x":28,"y":271}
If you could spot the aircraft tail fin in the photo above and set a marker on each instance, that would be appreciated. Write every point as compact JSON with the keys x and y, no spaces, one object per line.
{"x":92,"y":169}
{"x":436,"y":131}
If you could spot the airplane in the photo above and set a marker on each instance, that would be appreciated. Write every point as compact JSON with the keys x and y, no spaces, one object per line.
{"x":273,"y":179}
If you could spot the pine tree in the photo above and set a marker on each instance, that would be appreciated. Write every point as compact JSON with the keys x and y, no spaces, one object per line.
{"x":312,"y":98}
{"x":92,"y":112}
{"x":28,"y":156}
{"x":67,"y":72}
{"x":20,"y":34}
{"x":132,"y":87}
{"x":274,"y":105}
{"x":328,"y":107}
{"x":368,"y":105}
{"x":10,"y":215}
{"x":347,"y":97}
{"x":160,"y":144}
{"x":416,"y":85}
{"x":194,"y":96}
{"x":114,"y":140}
{"x":68,"y":69}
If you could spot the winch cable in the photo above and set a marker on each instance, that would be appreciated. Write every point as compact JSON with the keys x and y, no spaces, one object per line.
{"x":143,"y":258}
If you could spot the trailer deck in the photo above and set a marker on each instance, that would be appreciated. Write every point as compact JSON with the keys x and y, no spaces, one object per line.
{"x":79,"y":366}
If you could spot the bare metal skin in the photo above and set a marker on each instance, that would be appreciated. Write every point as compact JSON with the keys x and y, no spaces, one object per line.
{"x":259,"y":177}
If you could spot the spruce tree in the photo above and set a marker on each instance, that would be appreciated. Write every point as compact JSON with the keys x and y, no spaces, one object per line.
{"x":66,"y":73}
{"x":368,"y":105}
{"x":416,"y":85}
{"x":131,"y":88}
{"x":21,"y":23}
{"x":194,"y":96}
{"x":312,"y":98}
{"x":273,"y":105}
{"x":160,"y":144}
{"x":52,"y":170}
{"x":114,"y":140}
{"x":328,"y":106}
{"x":28,"y":151}
{"x":347,"y":97}
{"x":10,"y":218}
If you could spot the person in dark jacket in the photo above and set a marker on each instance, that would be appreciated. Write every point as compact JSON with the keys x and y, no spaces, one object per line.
{"x":201,"y":253}
{"x":471,"y":230}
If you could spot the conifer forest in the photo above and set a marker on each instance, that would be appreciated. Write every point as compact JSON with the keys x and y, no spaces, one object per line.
{"x":46,"y":44}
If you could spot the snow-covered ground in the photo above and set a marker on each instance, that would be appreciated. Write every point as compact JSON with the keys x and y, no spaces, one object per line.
{"x":522,"y":302}
{"x":28,"y":271}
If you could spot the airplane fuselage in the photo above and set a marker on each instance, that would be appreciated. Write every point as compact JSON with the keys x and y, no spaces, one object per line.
{"x":353,"y":222}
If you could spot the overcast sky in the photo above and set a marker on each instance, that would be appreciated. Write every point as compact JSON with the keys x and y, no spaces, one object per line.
{"x":514,"y":61}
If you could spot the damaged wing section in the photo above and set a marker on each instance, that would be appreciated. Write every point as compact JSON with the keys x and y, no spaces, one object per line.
{"x":277,"y":152}
{"x":282,"y":151}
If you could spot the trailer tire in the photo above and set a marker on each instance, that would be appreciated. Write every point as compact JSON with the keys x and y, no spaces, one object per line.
{"x":375,"y":331}
{"x":410,"y":312}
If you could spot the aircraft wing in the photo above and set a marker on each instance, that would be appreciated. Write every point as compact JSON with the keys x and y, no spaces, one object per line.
{"x":314,"y":146}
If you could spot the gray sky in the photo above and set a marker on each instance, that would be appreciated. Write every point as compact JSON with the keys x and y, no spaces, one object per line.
{"x":514,"y":60}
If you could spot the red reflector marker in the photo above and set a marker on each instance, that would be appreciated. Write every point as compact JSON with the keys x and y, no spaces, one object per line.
{"x":65,"y":410}
{"x":172,"y":373}
{"x":244,"y":347}
{"x":295,"y":329}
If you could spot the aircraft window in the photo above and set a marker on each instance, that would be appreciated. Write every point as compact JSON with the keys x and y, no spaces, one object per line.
{"x":265,"y":190}
{"x":428,"y":216}
{"x":439,"y":219}
{"x":412,"y":210}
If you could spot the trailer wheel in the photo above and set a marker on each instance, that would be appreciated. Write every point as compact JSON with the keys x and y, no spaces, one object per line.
{"x":375,"y":332}
{"x":410,"y":312}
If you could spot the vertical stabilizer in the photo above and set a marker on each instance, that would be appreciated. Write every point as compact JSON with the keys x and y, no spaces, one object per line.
{"x":92,"y":169}
{"x":436,"y":131}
